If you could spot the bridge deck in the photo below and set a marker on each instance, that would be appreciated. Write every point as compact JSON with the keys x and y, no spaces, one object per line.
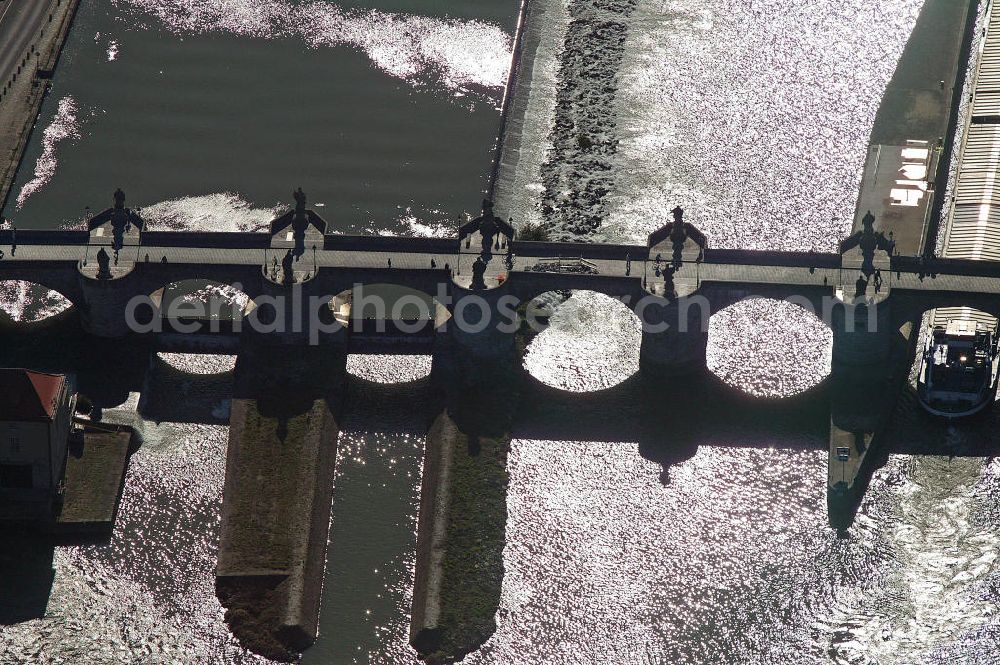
{"x":719,"y":266}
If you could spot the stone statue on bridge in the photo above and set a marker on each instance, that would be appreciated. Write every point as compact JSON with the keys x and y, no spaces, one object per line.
{"x":868,"y":240}
{"x":300,"y":201}
{"x":488,"y":225}
{"x":103,"y":264}
{"x":287,"y":268}
{"x":678,"y":233}
{"x":478,"y":274}
{"x":119,"y":221}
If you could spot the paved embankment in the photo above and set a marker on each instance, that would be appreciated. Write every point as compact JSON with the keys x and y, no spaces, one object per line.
{"x":32,"y":35}
{"x":919,"y":110}
{"x":529,"y":105}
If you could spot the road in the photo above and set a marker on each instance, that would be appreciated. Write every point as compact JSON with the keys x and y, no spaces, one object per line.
{"x":20,"y":23}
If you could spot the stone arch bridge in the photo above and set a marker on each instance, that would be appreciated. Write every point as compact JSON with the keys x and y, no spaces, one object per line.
{"x":863,"y":293}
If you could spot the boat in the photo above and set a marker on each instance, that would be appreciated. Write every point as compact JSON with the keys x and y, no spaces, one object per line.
{"x":958,"y":369}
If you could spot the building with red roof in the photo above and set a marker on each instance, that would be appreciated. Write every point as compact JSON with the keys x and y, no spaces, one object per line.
{"x":36,"y":411}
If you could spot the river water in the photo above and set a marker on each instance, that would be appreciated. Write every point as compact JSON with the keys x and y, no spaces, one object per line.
{"x":752,"y":114}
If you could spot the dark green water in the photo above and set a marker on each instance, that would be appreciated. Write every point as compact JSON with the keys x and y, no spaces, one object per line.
{"x":192,"y":111}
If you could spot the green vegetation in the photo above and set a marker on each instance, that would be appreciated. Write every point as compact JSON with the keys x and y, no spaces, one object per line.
{"x":473,"y":563}
{"x":271,"y":472}
{"x":532,"y":233}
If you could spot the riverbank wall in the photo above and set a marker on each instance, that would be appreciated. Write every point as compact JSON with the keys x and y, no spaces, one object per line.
{"x":276,"y":502}
{"x":21,"y":102}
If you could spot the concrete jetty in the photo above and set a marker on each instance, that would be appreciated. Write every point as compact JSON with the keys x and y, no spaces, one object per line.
{"x":903,"y":188}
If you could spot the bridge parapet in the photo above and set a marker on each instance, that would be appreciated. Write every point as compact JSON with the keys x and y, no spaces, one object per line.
{"x":113,"y":243}
{"x":675,"y":251}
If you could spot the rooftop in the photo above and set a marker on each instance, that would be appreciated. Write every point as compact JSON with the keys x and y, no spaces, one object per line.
{"x":27,"y":396}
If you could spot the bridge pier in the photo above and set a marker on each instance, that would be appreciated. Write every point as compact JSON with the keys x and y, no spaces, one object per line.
{"x":296,"y":314}
{"x":463,"y":504}
{"x":869,"y":366}
{"x":105,"y":302}
{"x":674,"y":336}
{"x":284,"y":427}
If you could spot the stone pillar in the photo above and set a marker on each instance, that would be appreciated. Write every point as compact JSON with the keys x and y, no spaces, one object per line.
{"x":105,"y":301}
{"x":862,"y":333}
{"x":862,"y":365}
{"x":483,"y":323}
{"x":674,"y":335}
{"x":294,"y":315}
{"x":870,"y":363}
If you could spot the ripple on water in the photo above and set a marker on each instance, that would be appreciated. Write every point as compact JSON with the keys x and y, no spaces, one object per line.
{"x":26,"y":302}
{"x":592,"y":343}
{"x":753,"y":116}
{"x":147,"y":595}
{"x":382,"y":368}
{"x":606,"y":564}
{"x":769,"y":348}
{"x":199,"y":363}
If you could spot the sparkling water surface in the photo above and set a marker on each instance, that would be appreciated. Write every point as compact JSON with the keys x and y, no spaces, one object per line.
{"x":751,"y":114}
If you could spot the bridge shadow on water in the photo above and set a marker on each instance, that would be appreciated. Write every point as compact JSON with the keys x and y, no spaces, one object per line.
{"x":26,"y":575}
{"x":670,"y":420}
{"x":171,"y":394}
{"x":912,"y":431}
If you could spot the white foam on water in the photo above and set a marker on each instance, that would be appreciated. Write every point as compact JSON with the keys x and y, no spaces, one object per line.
{"x":65,"y":125}
{"x":26,"y":302}
{"x":222,"y":211}
{"x":461,"y":55}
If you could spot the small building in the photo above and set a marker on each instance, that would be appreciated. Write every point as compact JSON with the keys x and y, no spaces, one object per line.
{"x":36,"y":413}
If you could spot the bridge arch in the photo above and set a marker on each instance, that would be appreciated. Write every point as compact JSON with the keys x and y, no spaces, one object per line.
{"x":580,"y":340}
{"x":31,"y":301}
{"x":770,"y":348}
{"x":194,"y":299}
{"x":383,"y":320}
